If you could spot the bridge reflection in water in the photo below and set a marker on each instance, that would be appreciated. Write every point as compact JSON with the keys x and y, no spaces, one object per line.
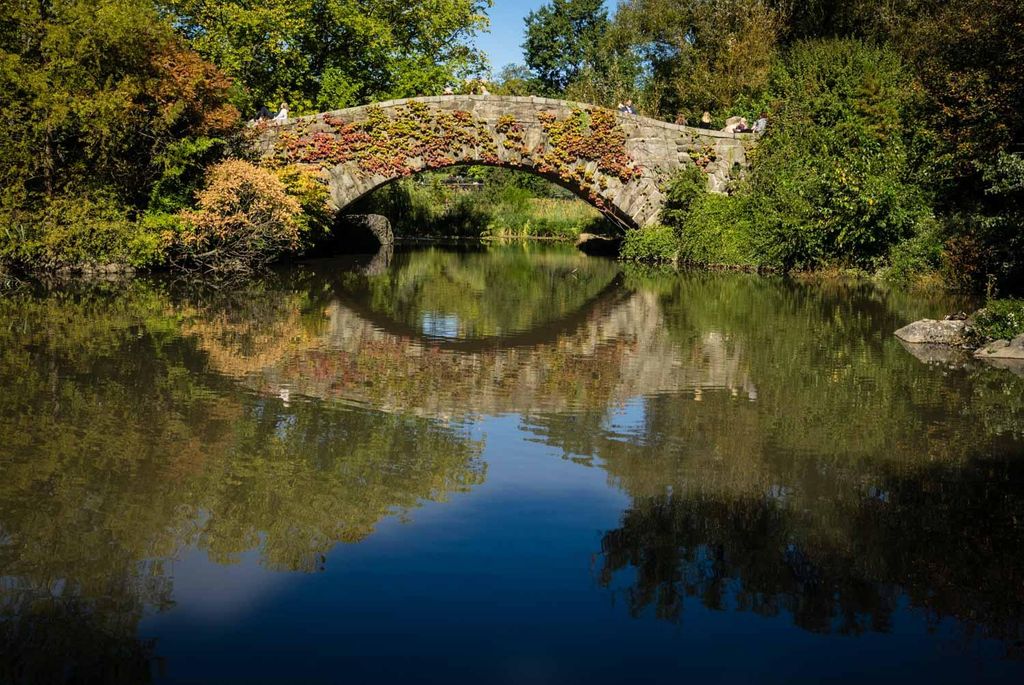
{"x":771,"y":448}
{"x":586,"y":342}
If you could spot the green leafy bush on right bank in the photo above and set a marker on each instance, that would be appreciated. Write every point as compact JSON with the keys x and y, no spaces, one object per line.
{"x":999,"y":320}
{"x":894,"y":142}
{"x":718,"y":231}
{"x":831,"y":181}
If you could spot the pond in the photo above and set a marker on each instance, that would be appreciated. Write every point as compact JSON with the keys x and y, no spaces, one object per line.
{"x":505,"y":464}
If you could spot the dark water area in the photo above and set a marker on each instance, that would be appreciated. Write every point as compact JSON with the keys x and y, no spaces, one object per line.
{"x":506,"y":465}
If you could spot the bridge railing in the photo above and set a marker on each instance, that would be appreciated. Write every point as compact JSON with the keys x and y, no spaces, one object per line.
{"x":533,"y":100}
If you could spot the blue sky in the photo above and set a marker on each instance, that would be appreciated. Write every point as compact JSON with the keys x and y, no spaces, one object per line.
{"x":508,"y":22}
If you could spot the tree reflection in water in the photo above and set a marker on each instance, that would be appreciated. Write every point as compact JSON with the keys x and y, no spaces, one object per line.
{"x":783,"y":454}
{"x":838,"y":490}
{"x":489,"y":292}
{"x":120,"y":450}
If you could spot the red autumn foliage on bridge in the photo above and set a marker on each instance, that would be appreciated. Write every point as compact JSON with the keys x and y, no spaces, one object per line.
{"x":579,"y":151}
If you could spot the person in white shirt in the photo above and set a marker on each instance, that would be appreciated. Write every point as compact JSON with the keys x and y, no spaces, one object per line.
{"x":282,"y":115}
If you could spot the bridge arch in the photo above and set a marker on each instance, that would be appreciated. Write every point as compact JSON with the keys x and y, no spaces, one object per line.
{"x":618,"y":163}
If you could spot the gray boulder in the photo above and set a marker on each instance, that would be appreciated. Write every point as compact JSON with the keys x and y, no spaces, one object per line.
{"x":1014,"y":366}
{"x":371,"y":228}
{"x":929,"y":331}
{"x":599,"y":245}
{"x":1003,"y":349}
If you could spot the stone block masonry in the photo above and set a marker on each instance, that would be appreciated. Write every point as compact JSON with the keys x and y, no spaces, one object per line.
{"x":618,"y":163}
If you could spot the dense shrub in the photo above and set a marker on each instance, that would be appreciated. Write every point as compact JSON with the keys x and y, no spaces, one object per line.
{"x":76,"y":231}
{"x":182,"y":165}
{"x":717,"y":231}
{"x":1001,"y":228}
{"x":658,"y":243}
{"x":683,"y":189}
{"x":316,"y":221}
{"x":999,"y":320}
{"x":106,"y":110}
{"x":919,"y":259}
{"x":244,"y":218}
{"x":833,"y":181}
{"x":711,"y":229}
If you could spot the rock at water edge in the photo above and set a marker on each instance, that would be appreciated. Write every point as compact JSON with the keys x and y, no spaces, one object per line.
{"x":929,"y":331}
{"x":1003,"y":349}
{"x":598,"y":245}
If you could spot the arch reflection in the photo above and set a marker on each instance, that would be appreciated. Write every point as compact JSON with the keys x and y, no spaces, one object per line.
{"x":780,"y":455}
{"x":595,"y":343}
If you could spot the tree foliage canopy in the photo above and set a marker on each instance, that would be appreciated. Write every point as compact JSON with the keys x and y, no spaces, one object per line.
{"x":114,"y":109}
{"x":933,"y":127}
{"x":563,"y":39}
{"x":99,"y":94}
{"x":329,"y":54}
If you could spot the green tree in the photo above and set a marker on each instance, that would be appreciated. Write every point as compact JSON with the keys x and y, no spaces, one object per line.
{"x":328,"y":54}
{"x":834,"y":180}
{"x":517,"y":79}
{"x":562,"y":39}
{"x":693,"y":55}
{"x":100,"y":96}
{"x":969,"y":58}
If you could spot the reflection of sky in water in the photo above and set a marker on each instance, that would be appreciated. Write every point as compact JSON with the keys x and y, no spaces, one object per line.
{"x":625,"y":477}
{"x":522,"y":547}
{"x":628,"y":420}
{"x":440,"y":325}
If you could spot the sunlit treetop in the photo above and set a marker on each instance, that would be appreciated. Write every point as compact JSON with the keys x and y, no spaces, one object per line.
{"x":329,"y":54}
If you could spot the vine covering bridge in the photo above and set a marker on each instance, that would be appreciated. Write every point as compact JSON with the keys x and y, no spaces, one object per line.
{"x":617,"y":162}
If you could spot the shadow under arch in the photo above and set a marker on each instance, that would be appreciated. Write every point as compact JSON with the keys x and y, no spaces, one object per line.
{"x":613,"y":214}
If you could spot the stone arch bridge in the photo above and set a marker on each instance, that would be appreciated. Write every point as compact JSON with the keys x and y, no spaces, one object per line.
{"x":619,"y":163}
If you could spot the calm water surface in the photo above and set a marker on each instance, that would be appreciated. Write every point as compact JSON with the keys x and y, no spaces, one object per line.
{"x":511,"y":465}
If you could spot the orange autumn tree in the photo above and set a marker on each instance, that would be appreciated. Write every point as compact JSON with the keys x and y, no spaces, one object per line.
{"x":244,"y":218}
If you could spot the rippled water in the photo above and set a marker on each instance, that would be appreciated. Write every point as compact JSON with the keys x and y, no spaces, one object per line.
{"x":514,"y":465}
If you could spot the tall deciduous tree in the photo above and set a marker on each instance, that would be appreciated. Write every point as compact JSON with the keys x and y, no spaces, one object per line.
{"x":97,"y":93}
{"x":326,"y":54}
{"x":97,"y":90}
{"x":697,"y":54}
{"x":563,"y":38}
